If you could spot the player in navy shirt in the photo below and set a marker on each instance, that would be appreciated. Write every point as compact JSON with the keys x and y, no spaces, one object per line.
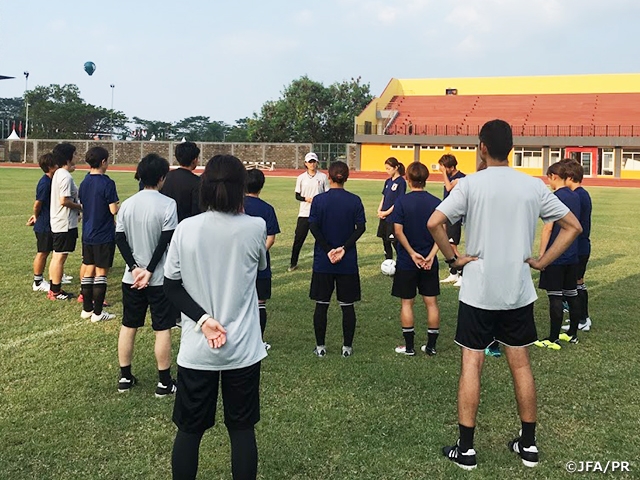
{"x":574,"y":182}
{"x":100,"y":203}
{"x":560,"y":278}
{"x":417,"y":264}
{"x":256,"y":207}
{"x":448,"y":165}
{"x":40,"y":221}
{"x":337,"y":221}
{"x":394,"y":187}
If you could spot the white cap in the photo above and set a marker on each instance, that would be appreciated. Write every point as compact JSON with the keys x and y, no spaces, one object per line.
{"x":310,"y":157}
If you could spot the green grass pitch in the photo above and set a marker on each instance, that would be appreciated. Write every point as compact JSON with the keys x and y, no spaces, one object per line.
{"x":375,"y":415}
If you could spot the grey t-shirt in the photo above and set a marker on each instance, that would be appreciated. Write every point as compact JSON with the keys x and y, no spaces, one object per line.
{"x":143,"y":217}
{"x":501,"y":207}
{"x":63,"y":218}
{"x":217,"y":256}
{"x":308,"y":186}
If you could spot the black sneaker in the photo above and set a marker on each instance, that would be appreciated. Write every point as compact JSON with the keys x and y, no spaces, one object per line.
{"x":163,"y":390}
{"x":428,"y":350}
{"x":465,"y":460}
{"x":529,"y":455}
{"x":125,"y":384}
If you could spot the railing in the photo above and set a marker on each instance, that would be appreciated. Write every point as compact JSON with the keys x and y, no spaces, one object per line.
{"x":518,"y":130}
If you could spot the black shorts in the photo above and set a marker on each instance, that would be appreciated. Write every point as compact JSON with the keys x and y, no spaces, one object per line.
{"x":347,"y":287}
{"x":558,"y":278}
{"x":195,"y":408}
{"x":582,"y":266}
{"x":44,"y":242}
{"x":65,"y":242}
{"x":263,"y":286}
{"x":478,"y":328}
{"x":427,"y":282}
{"x":135,"y":303}
{"x":454,"y":232}
{"x":99,"y":255}
{"x":385,"y":230}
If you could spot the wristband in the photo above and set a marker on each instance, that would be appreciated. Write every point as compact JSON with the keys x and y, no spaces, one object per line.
{"x":133,"y":267}
{"x":451,"y":261}
{"x":201,"y":321}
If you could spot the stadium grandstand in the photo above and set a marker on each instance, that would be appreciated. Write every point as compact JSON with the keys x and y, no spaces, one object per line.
{"x":593,"y":118}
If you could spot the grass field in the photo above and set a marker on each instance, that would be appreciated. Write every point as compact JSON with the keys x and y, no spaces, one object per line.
{"x":375,"y":415}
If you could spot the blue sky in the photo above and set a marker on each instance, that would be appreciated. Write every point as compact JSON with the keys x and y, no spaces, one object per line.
{"x":169,"y":60}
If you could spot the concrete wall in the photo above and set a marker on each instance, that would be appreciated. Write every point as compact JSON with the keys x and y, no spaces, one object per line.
{"x":285,"y":155}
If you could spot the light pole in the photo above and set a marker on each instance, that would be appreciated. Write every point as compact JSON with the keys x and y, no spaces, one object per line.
{"x":26,"y":121}
{"x":112,"y":90}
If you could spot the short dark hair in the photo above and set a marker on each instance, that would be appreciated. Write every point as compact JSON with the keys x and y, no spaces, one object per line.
{"x":394,"y":163}
{"x":448,"y":161}
{"x":560,"y":169}
{"x":95,"y":156}
{"x":575,"y":170}
{"x":339,"y":172}
{"x":255,"y":180}
{"x":417,"y":174}
{"x":223,"y":183}
{"x":498,"y":138}
{"x":47,"y":162}
{"x":63,"y":152}
{"x":187,"y":152}
{"x":152,"y":169}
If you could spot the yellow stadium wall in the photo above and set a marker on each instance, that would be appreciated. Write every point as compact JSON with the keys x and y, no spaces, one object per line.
{"x":634,"y":174}
{"x":373,"y":156}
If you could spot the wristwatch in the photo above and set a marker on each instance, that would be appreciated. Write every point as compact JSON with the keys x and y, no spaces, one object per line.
{"x":451,"y":261}
{"x":133,"y":267}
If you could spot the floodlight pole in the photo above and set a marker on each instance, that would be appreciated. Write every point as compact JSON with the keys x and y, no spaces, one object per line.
{"x":26,"y":121}
{"x":112,"y":90}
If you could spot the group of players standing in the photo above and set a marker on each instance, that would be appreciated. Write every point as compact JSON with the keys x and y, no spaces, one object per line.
{"x":145,"y":227}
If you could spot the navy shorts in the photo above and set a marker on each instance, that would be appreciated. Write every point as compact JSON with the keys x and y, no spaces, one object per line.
{"x":197,"y":397}
{"x":478,"y":328}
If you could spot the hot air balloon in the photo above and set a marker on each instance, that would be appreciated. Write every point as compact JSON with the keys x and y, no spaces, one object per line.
{"x":89,"y":67}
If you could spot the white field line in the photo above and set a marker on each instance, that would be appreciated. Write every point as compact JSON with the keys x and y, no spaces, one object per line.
{"x":39,"y":335}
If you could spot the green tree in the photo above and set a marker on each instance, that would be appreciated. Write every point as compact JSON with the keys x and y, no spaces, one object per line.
{"x":239,"y":132}
{"x":201,"y":129}
{"x":11,"y":110}
{"x":58,"y":111}
{"x":146,"y":129}
{"x":307,"y":111}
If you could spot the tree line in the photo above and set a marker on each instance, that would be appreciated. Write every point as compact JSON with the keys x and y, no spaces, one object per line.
{"x":307,"y":111}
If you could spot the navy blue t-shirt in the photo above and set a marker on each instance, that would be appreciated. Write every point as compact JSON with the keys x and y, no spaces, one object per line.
{"x":451,"y":178}
{"x":96,"y":193}
{"x":336,"y":212}
{"x":571,"y":200}
{"x":412,"y":211}
{"x":391,"y":191}
{"x":584,"y":243}
{"x":256,"y":207}
{"x":43,"y":195}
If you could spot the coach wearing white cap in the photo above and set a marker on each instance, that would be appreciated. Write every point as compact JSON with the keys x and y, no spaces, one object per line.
{"x":308,"y":185}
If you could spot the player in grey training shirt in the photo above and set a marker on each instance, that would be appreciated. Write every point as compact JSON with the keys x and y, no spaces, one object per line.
{"x":501,"y":207}
{"x":210,"y":274}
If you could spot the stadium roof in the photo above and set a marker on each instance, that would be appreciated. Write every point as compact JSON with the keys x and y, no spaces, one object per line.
{"x":4,"y":77}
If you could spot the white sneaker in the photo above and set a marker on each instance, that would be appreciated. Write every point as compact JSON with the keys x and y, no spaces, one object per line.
{"x":66,"y":278}
{"x":103,"y":317}
{"x":453,"y":277}
{"x":584,"y":327}
{"x":86,"y":315}
{"x":43,"y":287}
{"x":347,"y":351}
{"x":267,"y":346}
{"x":458,"y":283}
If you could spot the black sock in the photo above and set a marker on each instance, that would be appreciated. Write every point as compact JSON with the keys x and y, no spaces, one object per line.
{"x":583,"y":298}
{"x":55,"y":287}
{"x":586,"y":300}
{"x":388,"y":250}
{"x":165,"y":376}
{"x":466,"y":437}
{"x":348,"y":324}
{"x":184,"y":459}
{"x":528,"y":436}
{"x":555,"y":316}
{"x":575,"y":315}
{"x":244,"y":454}
{"x":320,"y":322}
{"x":125,"y":372}
{"x":99,"y":292}
{"x":262,"y":309}
{"x":409,"y":335}
{"x":37,"y":279}
{"x":86,"y":288}
{"x":432,"y":337}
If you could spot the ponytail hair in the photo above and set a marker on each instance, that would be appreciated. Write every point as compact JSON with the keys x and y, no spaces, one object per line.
{"x":223,"y":185}
{"x":394,"y":163}
{"x":339,"y":172}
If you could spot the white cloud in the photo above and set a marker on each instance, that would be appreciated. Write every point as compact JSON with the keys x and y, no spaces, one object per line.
{"x":303,"y":18}
{"x":255,"y":44}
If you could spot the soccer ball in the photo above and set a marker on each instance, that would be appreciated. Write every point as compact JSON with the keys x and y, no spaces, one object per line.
{"x":388,"y":267}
